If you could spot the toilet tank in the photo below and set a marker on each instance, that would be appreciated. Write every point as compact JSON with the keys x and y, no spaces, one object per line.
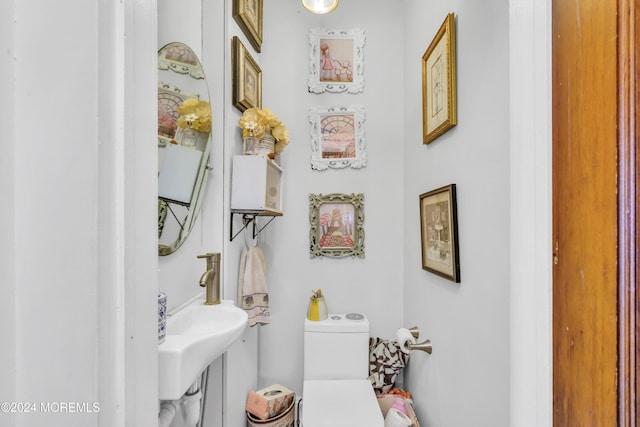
{"x":337,"y":348}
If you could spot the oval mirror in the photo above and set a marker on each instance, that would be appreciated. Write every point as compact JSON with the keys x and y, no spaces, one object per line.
{"x":184,"y":146}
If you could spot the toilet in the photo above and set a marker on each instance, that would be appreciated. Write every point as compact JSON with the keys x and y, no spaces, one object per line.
{"x":336,"y":391}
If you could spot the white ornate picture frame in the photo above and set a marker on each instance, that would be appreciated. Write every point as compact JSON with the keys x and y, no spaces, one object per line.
{"x":336,"y":60}
{"x":337,"y":137}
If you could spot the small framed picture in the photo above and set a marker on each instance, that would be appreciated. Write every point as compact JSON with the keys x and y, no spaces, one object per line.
{"x":439,"y":232}
{"x":337,"y":225}
{"x":248,"y":15}
{"x":336,"y":60}
{"x":337,"y":137}
{"x":247,"y":78}
{"x":439,"y":83}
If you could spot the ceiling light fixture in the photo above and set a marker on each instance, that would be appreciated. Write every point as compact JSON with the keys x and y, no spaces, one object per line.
{"x":320,"y":6}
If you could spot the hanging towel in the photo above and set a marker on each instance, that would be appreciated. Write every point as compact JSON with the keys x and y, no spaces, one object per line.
{"x":252,"y":286}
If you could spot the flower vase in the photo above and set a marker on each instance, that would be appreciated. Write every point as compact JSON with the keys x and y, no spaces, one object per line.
{"x":266,"y":144}
{"x":187,"y":137}
{"x":317,"y":309}
{"x":250,"y":145}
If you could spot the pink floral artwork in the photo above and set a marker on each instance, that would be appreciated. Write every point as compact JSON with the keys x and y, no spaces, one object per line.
{"x":337,"y":225}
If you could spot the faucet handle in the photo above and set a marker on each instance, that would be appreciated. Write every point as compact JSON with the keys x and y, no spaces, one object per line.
{"x":211,"y":257}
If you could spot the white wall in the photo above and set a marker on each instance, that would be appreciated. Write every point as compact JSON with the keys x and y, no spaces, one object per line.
{"x":466,"y":379}
{"x":531,"y":216}
{"x":372,"y":285}
{"x":7,"y":217}
{"x":56,"y":244}
{"x":75,"y":206}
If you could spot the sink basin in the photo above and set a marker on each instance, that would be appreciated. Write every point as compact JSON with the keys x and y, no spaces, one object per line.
{"x":196,"y":335}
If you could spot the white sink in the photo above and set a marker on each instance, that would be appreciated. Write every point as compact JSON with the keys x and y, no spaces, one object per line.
{"x":195,"y":336}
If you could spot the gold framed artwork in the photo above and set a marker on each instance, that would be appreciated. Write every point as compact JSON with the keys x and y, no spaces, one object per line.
{"x":248,"y":16}
{"x":337,"y":228}
{"x":439,"y":232}
{"x":439,"y":82}
{"x":247,"y":78}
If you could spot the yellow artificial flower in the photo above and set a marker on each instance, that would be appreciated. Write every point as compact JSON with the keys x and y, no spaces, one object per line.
{"x":194,"y":114}
{"x":255,"y":122}
{"x":252,"y":123}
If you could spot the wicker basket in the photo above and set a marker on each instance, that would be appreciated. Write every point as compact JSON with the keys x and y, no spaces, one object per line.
{"x":285,"y":419}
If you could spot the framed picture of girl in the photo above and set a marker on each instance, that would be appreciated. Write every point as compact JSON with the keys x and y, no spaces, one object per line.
{"x":336,"y":60}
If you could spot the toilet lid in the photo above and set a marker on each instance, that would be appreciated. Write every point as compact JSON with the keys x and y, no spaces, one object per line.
{"x":340,"y":403}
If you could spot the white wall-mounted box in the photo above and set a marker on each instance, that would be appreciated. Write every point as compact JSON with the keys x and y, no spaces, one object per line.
{"x":177,"y":173}
{"x":256,"y":185}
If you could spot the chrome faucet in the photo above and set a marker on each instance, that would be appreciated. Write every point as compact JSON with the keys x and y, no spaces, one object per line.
{"x":211,"y":278}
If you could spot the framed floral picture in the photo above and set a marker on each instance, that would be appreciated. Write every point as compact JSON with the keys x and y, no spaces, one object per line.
{"x":248,"y":16}
{"x":337,"y":228}
{"x":439,"y":232}
{"x":336,"y":60}
{"x":337,"y":137}
{"x":439,"y":113}
{"x":247,"y":78}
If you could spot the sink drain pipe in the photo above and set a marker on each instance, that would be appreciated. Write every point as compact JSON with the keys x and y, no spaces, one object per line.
{"x":168,"y":410}
{"x":190,"y":407}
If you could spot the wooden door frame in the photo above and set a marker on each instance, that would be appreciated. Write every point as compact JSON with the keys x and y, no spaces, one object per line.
{"x":628,"y":363}
{"x":530,"y":74}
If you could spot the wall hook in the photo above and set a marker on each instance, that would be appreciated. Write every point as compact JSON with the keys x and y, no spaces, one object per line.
{"x":248,"y":218}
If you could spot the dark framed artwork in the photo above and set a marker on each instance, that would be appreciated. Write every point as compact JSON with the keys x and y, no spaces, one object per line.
{"x":439,"y":232}
{"x":248,"y":16}
{"x":439,"y":112}
{"x":337,"y":225}
{"x":247,"y":78}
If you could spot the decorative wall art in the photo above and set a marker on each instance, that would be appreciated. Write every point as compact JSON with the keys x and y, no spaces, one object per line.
{"x":439,"y":232}
{"x":336,"y":225}
{"x":336,"y":60}
{"x":337,"y":137}
{"x":248,"y":15}
{"x":247,"y":78}
{"x":170,"y":98}
{"x":439,"y":82}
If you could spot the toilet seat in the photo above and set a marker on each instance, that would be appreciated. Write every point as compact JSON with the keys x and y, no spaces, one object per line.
{"x":340,"y":403}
